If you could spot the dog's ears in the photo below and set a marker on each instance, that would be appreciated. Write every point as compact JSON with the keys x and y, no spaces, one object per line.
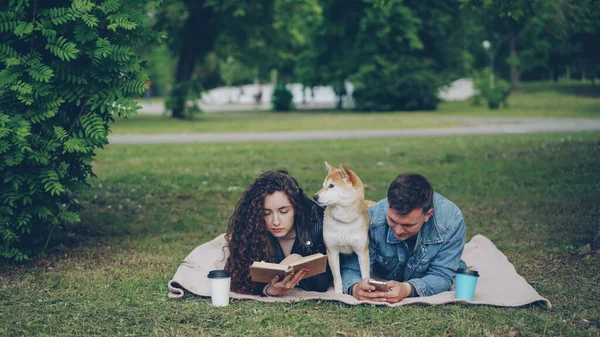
{"x":351,"y":177}
{"x":329,"y":167}
{"x":344,"y":172}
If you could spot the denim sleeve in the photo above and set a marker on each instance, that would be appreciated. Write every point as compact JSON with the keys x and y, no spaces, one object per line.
{"x":351,"y":268}
{"x":444,"y":265}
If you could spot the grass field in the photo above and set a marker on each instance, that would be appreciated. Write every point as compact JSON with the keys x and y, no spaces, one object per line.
{"x":534,"y":196}
{"x":532,"y":100}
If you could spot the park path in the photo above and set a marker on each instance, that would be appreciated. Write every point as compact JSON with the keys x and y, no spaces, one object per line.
{"x":473,"y":126}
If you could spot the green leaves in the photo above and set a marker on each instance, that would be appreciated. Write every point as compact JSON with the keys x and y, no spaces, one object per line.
{"x":24,"y":92}
{"x":7,"y":51}
{"x":122,"y":23}
{"x":59,"y":16}
{"x":7,"y":26}
{"x":76,"y":145}
{"x":41,"y":72}
{"x":51,"y":183}
{"x":61,"y":79}
{"x":62,"y":48}
{"x":23,"y":28}
{"x":94,"y":127}
{"x":60,"y":133}
{"x":90,"y":20}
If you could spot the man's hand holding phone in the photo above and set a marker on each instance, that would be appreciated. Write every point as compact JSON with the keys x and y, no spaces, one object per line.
{"x":367,"y":290}
{"x":379,"y":285}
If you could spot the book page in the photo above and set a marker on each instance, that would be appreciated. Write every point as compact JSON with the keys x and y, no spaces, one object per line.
{"x":307,"y":259}
{"x":316,"y":264}
{"x":290,"y":259}
{"x":270,"y":266}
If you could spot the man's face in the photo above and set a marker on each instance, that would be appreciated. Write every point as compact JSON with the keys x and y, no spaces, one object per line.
{"x":409,"y":225}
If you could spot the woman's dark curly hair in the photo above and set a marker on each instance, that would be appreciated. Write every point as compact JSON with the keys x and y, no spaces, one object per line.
{"x":247,"y":236}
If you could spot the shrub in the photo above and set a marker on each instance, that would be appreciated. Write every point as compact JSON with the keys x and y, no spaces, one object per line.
{"x":496,"y":97}
{"x":404,"y":84}
{"x":66,"y":68}
{"x":281,"y":98}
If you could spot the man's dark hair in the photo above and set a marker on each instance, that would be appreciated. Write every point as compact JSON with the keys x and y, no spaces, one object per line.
{"x":410,"y":191}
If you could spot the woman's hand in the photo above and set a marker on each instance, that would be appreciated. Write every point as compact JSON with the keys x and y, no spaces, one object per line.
{"x":278,"y":288}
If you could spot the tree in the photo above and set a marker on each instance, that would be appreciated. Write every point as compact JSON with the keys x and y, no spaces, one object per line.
{"x":192,"y":29}
{"x":66,"y":68}
{"x":508,"y":17}
{"x":259,"y":34}
{"x":585,"y":33}
{"x":396,"y":53}
{"x":407,"y":50}
{"x":331,"y":57}
{"x":542,"y":34}
{"x":596,"y":241}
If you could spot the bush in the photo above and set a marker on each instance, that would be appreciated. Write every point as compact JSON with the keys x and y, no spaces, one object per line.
{"x":496,"y":97}
{"x":281,"y":98}
{"x":404,"y":84}
{"x":66,"y":68}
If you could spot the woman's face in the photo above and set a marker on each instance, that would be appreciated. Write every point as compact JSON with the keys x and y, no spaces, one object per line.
{"x":279,"y":215}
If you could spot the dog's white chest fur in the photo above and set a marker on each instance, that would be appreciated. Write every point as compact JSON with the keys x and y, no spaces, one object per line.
{"x":344,"y":231}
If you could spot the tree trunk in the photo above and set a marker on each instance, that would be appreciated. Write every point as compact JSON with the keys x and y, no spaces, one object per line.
{"x":568,"y":73}
{"x":555,"y":75}
{"x":199,"y":34}
{"x":185,"y":67}
{"x":582,"y":65}
{"x":596,"y":242}
{"x":340,"y":92}
{"x":512,"y":45}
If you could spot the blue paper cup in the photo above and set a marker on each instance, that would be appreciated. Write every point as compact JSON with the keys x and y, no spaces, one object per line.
{"x":466,"y":281}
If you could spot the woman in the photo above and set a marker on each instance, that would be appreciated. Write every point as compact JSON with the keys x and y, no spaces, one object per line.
{"x":273,"y":220}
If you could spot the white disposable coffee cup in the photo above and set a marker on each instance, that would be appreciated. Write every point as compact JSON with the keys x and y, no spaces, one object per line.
{"x":219,"y":281}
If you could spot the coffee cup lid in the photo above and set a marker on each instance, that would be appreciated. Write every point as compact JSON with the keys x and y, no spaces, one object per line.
{"x":219,"y":273}
{"x":468,"y":272}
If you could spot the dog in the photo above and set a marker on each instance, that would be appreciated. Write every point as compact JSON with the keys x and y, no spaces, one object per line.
{"x":345,"y":222}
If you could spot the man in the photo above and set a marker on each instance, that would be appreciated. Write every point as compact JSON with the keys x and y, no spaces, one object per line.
{"x":416,"y":238}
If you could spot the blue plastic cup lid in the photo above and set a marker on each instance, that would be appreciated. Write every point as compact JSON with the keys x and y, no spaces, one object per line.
{"x":468,"y":272}
{"x":219,"y":273}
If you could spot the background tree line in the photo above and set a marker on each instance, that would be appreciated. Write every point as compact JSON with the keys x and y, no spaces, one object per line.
{"x":67,"y":67}
{"x":397,"y":53}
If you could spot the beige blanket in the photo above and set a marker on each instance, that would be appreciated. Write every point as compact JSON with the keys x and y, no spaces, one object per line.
{"x":499,"y":284}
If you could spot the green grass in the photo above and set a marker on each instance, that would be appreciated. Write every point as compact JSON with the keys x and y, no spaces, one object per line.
{"x":263,"y":121}
{"x":535,"y":196}
{"x":532,"y":100}
{"x":543,"y":99}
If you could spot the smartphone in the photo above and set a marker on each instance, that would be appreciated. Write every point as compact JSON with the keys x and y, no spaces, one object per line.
{"x":379,"y":285}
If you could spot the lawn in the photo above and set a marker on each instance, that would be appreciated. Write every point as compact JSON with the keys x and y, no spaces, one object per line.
{"x":535,"y":196}
{"x":532,"y":100}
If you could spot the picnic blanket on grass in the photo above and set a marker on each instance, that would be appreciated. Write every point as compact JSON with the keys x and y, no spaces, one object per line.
{"x":498,"y":285}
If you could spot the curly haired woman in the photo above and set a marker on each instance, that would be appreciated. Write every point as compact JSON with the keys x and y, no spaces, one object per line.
{"x":273,"y":220}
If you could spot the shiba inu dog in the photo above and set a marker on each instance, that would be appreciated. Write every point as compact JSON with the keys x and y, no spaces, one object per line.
{"x":345,"y":222}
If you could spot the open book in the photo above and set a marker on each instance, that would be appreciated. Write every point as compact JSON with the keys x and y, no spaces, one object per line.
{"x":265,"y":271}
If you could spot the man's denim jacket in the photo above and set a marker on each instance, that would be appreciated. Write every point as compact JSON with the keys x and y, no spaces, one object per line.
{"x":436,"y":257}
